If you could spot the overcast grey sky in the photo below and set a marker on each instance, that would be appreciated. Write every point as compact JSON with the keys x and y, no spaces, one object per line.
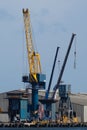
{"x":53,"y":22}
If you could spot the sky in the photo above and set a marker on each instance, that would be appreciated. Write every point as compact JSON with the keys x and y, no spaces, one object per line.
{"x":53,"y":22}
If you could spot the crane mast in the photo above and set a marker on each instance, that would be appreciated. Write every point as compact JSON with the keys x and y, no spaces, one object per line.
{"x":33,"y":57}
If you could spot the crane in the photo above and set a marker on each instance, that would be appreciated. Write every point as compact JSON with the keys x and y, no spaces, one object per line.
{"x":65,"y":106}
{"x":36,"y":78}
{"x":49,"y":101}
{"x":46,"y":101}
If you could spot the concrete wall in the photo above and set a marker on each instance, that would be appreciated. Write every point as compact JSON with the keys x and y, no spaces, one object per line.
{"x":4,"y":102}
{"x":4,"y":117}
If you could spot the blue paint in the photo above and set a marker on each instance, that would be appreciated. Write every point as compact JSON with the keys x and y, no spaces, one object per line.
{"x":34,"y":98}
{"x":23,"y":109}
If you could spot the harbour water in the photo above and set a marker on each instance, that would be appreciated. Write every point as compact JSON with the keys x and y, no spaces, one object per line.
{"x":73,"y":128}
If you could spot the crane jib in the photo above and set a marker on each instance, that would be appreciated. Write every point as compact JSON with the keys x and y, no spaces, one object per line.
{"x":64,"y":63}
{"x":33,"y":57}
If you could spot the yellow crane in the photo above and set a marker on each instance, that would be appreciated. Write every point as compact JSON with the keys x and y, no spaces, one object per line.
{"x":36,"y":78}
{"x":33,"y":57}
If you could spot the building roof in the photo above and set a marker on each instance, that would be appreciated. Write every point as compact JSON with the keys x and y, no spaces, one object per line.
{"x":80,"y":99}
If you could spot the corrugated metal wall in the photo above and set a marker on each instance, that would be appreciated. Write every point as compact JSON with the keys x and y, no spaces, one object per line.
{"x":85,"y":113}
{"x":79,"y":109}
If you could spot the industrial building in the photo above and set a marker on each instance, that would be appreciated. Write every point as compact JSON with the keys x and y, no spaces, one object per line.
{"x":35,"y":103}
{"x":14,"y":103}
{"x":79,"y":102}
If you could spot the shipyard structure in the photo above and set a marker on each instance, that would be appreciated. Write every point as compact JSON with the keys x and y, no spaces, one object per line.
{"x":17,"y":104}
{"x":37,"y":106}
